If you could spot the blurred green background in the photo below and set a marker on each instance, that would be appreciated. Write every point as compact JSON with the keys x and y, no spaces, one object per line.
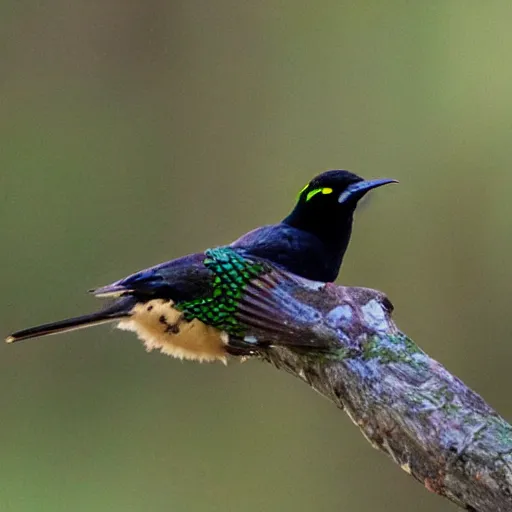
{"x":135,"y":132}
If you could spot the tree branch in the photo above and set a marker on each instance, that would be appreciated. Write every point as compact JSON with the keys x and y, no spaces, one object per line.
{"x":405,"y":403}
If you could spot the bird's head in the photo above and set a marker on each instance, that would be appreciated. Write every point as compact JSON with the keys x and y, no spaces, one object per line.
{"x":327,"y":203}
{"x":337,"y":189}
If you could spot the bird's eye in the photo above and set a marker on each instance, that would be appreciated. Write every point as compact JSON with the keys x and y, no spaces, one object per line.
{"x":315,"y":191}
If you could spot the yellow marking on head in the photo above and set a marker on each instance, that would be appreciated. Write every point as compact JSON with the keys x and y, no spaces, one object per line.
{"x":160,"y":326}
{"x":315,"y":191}
{"x":302,"y":190}
{"x":9,"y":339}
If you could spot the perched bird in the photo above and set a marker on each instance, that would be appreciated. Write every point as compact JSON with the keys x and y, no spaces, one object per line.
{"x":202,"y":306}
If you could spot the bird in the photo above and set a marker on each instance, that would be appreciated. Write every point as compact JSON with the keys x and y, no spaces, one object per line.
{"x":207,"y":305}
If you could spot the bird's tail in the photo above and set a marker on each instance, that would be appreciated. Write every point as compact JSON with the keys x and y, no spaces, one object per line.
{"x":120,"y":309}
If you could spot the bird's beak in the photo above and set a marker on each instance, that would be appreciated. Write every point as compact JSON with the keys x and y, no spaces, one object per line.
{"x":357,"y":190}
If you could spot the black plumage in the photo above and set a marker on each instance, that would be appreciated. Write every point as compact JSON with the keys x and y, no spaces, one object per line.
{"x":313,"y":239}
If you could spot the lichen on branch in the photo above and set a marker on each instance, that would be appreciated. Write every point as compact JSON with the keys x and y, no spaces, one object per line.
{"x":405,"y":403}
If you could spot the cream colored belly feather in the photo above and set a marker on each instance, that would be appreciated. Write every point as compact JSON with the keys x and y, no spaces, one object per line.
{"x":160,"y":326}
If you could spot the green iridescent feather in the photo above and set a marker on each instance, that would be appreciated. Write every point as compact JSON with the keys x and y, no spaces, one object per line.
{"x":232,"y":273}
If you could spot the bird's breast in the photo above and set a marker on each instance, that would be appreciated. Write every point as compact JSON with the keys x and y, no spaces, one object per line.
{"x":161,"y":326}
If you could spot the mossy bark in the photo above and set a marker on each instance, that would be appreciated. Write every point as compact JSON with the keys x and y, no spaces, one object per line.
{"x":405,"y":403}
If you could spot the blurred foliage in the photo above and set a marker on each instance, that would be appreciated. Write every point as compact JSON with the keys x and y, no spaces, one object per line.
{"x":135,"y":132}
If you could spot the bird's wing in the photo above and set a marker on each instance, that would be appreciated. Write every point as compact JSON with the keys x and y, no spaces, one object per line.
{"x":182,"y":279}
{"x":256,"y":301}
{"x":201,"y":305}
{"x":274,"y":315}
{"x":247,"y":297}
